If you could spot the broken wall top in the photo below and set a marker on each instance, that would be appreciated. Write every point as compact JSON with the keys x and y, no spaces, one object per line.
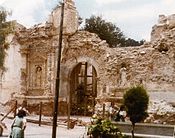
{"x":164,"y":29}
{"x":70,"y":22}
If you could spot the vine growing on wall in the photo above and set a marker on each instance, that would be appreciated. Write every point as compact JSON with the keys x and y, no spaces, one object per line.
{"x":5,"y":29}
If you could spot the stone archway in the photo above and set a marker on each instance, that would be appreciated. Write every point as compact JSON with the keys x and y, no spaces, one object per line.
{"x":83,"y":89}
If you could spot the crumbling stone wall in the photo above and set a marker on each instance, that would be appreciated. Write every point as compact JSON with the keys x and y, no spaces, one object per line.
{"x":70,"y":17}
{"x":152,"y":64}
{"x":37,"y":44}
{"x":85,"y":47}
{"x":11,"y":78}
{"x":164,"y":44}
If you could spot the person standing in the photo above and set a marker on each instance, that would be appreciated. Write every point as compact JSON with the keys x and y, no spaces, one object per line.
{"x":111,"y":111}
{"x":18,"y":125}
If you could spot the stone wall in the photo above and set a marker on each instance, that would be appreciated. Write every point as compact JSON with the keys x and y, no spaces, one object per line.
{"x":11,"y":78}
{"x":149,"y":64}
{"x":70,"y":24}
{"x":152,"y":64}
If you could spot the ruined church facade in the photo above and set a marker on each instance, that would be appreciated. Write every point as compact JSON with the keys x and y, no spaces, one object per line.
{"x":91,"y":72}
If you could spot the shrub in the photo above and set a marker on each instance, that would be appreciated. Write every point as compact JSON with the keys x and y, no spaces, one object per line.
{"x":136,"y":102}
{"x":103,"y":128}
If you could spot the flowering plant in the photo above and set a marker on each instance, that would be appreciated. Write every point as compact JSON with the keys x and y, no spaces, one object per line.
{"x":103,"y":128}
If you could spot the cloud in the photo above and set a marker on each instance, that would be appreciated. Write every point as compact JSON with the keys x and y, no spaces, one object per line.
{"x":135,"y":22}
{"x":136,"y":19}
{"x":26,"y":12}
{"x":128,"y":15}
{"x":108,"y":1}
{"x":2,"y":1}
{"x":167,"y":7}
{"x":168,"y":2}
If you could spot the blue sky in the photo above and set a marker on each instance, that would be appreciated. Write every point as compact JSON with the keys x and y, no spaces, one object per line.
{"x":134,"y":17}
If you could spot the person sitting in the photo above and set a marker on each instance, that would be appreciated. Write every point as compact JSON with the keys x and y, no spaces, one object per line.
{"x":121,"y":114}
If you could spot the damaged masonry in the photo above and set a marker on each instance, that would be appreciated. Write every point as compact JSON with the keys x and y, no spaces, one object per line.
{"x":91,"y":72}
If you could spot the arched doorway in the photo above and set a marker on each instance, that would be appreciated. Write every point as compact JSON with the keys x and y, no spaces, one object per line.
{"x":83,"y":89}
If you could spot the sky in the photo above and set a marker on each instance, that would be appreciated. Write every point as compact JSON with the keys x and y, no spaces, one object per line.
{"x":135,"y":18}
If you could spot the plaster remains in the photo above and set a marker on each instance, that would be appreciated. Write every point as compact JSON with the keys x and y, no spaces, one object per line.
{"x":91,"y":72}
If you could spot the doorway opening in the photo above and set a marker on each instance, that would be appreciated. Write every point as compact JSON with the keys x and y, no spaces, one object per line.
{"x":83,"y":89}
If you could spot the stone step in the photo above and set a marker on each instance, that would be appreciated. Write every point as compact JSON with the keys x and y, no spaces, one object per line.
{"x":148,"y":129}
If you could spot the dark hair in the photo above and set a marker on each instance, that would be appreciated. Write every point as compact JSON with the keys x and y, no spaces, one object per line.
{"x":21,"y":113}
{"x":122,"y":107}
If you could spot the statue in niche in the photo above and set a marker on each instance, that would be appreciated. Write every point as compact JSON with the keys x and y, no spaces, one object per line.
{"x":38,"y":77}
{"x":123,"y":77}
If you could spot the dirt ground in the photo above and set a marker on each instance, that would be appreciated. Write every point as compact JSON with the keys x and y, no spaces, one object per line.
{"x":43,"y":131}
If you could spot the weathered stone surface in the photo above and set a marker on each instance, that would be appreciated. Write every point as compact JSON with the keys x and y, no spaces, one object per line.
{"x":32,"y":60}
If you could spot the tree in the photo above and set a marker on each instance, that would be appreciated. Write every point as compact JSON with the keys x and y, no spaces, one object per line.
{"x":109,"y":32}
{"x":132,"y":42}
{"x":5,"y":29}
{"x":136,"y":102}
{"x":105,"y":30}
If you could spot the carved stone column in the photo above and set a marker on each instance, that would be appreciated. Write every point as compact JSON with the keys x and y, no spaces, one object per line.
{"x":53,"y":73}
{"x":23,"y":77}
{"x":47,"y":88}
{"x":1,"y":73}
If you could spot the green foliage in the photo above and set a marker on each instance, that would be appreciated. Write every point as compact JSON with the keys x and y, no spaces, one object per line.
{"x":80,"y":20}
{"x":136,"y":102}
{"x":106,"y":30}
{"x":132,"y":42}
{"x":5,"y":29}
{"x":2,"y":56}
{"x":109,"y":32}
{"x":104,"y":128}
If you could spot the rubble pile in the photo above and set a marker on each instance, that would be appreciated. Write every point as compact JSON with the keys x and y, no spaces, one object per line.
{"x":161,"y":112}
{"x":160,"y":108}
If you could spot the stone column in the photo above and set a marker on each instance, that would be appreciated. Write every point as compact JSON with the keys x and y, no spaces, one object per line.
{"x":53,"y":73}
{"x":24,"y":72}
{"x":1,"y":73}
{"x":47,"y":90}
